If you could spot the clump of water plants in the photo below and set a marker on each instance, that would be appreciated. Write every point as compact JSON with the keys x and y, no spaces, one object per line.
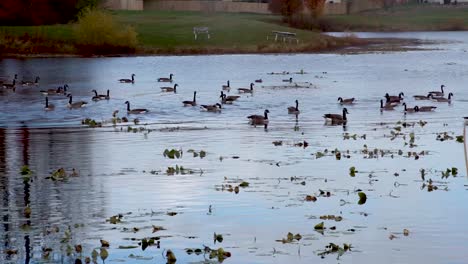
{"x":290,"y":238}
{"x":173,"y":153}
{"x":337,"y":218}
{"x":335,"y":249}
{"x":362,"y":198}
{"x":195,"y":153}
{"x":178,"y":170}
{"x":61,"y":175}
{"x":91,"y":122}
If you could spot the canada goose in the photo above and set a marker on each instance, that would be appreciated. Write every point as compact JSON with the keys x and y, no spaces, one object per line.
{"x":48,"y":107}
{"x":191,"y":103}
{"x":105,"y":96}
{"x":96,"y":96}
{"x":294,"y":110}
{"x":411,"y":109}
{"x":35,"y":82}
{"x":259,"y":119}
{"x":427,"y":108}
{"x":211,"y":108}
{"x":337,"y":119}
{"x":226,"y":87}
{"x":245,"y":90}
{"x":128,"y":80}
{"x":10,"y":85}
{"x":225,"y":100}
{"x":346,"y":101}
{"x":421,"y":97}
{"x":135,"y":111}
{"x":437,"y":93}
{"x":442,"y":99}
{"x":170,"y":89}
{"x":387,"y":107}
{"x":259,"y":81}
{"x":393,"y":98}
{"x":288,"y":80}
{"x":163,"y":79}
{"x":76,"y":105}
{"x":230,"y":97}
{"x":52,"y":91}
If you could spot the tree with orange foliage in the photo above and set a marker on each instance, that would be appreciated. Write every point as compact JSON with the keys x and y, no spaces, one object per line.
{"x":315,"y":7}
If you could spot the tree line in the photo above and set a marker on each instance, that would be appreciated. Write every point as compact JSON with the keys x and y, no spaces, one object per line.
{"x":41,"y":12}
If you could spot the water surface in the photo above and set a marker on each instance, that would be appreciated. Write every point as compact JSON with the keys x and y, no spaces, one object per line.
{"x":114,"y":165}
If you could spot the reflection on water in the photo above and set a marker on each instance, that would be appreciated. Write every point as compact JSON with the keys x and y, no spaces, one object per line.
{"x":122,"y":172}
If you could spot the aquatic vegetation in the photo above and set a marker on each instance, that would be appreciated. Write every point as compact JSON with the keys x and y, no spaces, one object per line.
{"x":290,"y":238}
{"x":331,"y":217}
{"x":173,"y":153}
{"x":333,"y":248}
{"x":91,"y":122}
{"x":362,"y":198}
{"x":311,"y":198}
{"x":178,"y":170}
{"x":200,"y":153}
{"x":217,"y":238}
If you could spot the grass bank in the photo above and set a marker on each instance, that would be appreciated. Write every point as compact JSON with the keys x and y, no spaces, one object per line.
{"x":170,"y":32}
{"x":420,"y":17}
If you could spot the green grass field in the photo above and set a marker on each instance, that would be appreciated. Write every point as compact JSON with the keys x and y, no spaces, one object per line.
{"x":404,"y":18}
{"x":170,"y":32}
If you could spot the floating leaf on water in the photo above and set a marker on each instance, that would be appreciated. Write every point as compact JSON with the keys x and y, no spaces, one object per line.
{"x":405,"y":232}
{"x":94,"y":255}
{"x":454,"y":171}
{"x":311,"y":198}
{"x":104,"y":254}
{"x":362,"y":198}
{"x":319,"y":226}
{"x":27,"y":211}
{"x":104,"y":243}
{"x":127,"y":247}
{"x":25,"y":170}
{"x":87,"y":260}
{"x":460,"y":139}
{"x":352,"y":171}
{"x":78,"y":248}
{"x":157,"y":228}
{"x":392,"y":236}
{"x":144,"y":244}
{"x":171,"y":258}
{"x":217,"y":238}
{"x":202,"y":154}
{"x":297,"y":236}
{"x":244,"y":184}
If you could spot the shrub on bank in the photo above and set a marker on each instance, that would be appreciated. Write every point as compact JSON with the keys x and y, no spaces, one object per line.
{"x":97,"y":32}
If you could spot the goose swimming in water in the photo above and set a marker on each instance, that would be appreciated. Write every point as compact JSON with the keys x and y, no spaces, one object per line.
{"x":164,"y":79}
{"x":336,"y":118}
{"x":170,"y":89}
{"x":193,"y":102}
{"x":294,"y":110}
{"x":259,"y":119}
{"x":438,"y":93}
{"x":211,"y":108}
{"x":346,"y":101}
{"x":411,"y":109}
{"x":246,"y":90}
{"x":132,"y":80}
{"x":75,"y":105}
{"x":227,"y":86}
{"x":135,"y":111}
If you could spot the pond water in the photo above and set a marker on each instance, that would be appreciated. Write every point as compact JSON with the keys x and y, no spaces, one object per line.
{"x":122,"y":172}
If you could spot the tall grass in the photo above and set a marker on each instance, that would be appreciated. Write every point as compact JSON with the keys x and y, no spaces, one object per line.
{"x":97,"y":32}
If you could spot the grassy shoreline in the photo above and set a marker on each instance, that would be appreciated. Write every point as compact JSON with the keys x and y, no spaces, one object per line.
{"x":412,"y":17}
{"x":170,"y":32}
